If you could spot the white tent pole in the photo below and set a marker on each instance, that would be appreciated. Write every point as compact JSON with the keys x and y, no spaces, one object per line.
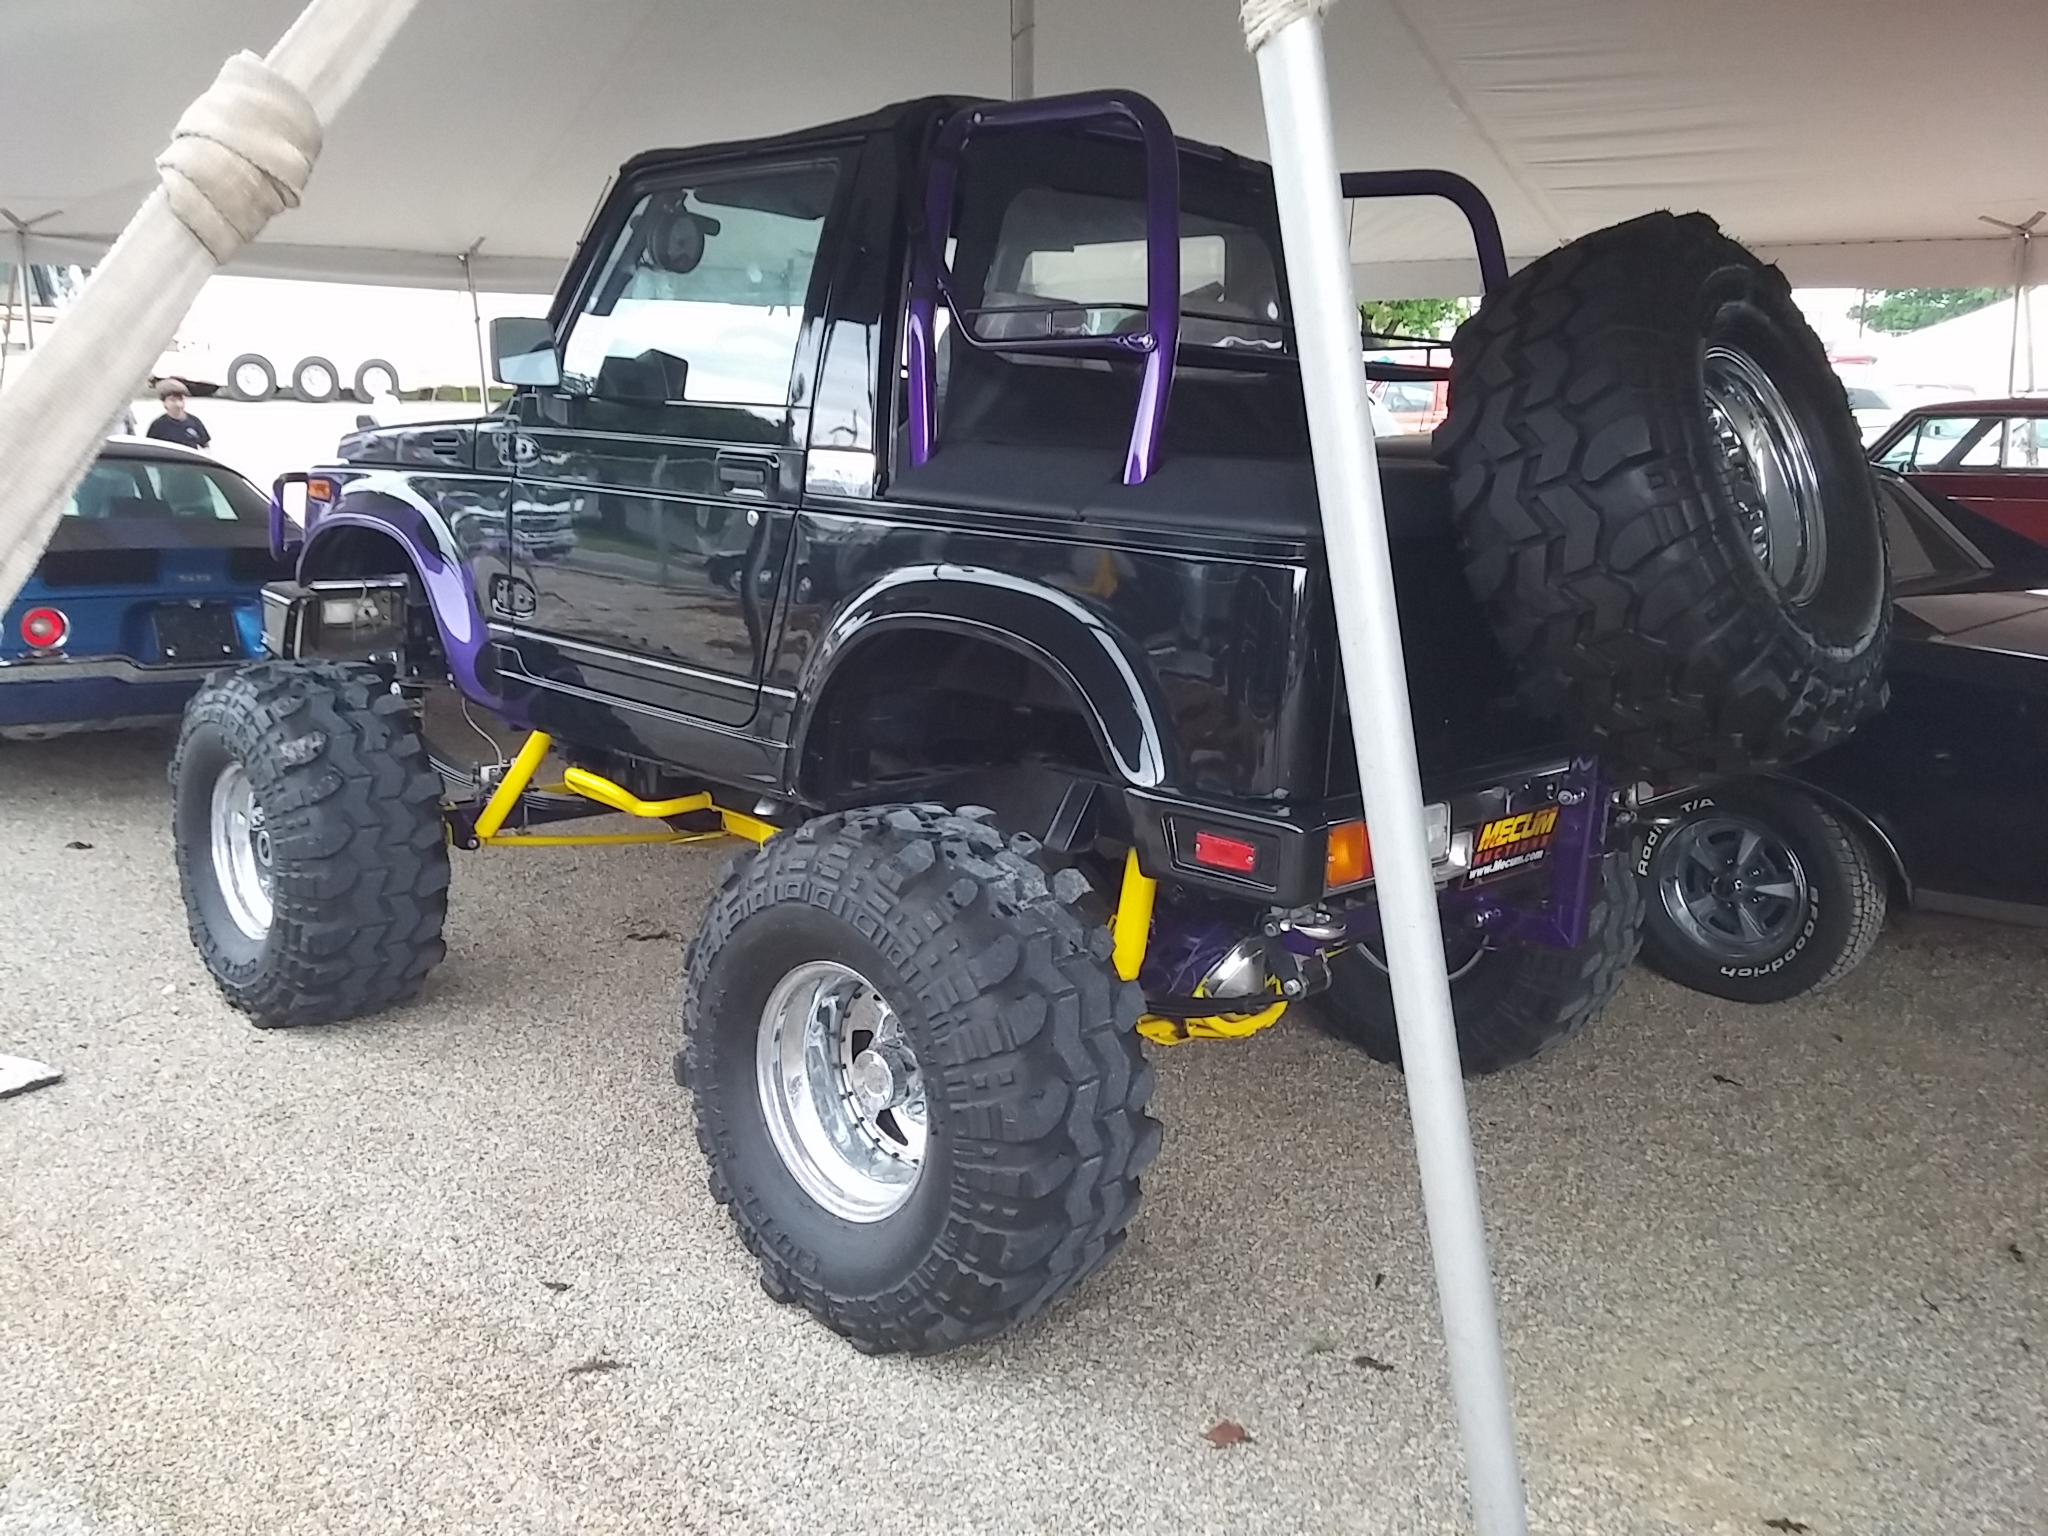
{"x":7,"y":326}
{"x":1286,"y":37}
{"x":240,"y":155}
{"x":1023,"y":49}
{"x":28,"y":300}
{"x":2019,"y":287}
{"x":476,"y":329}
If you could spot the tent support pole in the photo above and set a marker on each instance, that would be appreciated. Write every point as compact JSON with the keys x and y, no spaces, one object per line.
{"x":7,"y":327}
{"x":1023,"y":49}
{"x":1295,"y":88}
{"x":28,"y":300}
{"x":476,"y":327}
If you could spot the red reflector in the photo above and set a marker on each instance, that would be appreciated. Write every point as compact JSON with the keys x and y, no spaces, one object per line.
{"x":44,"y":629}
{"x":1215,"y":851}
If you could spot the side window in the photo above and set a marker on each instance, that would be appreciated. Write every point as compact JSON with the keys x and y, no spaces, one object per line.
{"x":1983,"y":450}
{"x":1935,"y":439}
{"x":702,"y":297}
{"x":2026,"y":442}
{"x":1900,"y":455}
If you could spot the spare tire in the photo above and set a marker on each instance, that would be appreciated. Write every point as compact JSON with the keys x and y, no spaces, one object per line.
{"x":1664,"y":502}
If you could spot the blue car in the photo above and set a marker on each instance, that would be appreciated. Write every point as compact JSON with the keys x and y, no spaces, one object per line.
{"x":151,"y":581}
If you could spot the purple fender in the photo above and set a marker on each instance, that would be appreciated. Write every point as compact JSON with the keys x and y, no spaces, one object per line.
{"x":389,"y":505}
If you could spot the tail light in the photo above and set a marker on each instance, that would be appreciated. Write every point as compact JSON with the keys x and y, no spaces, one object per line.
{"x":45,"y":629}
{"x":1348,"y":856}
{"x":1232,"y":855}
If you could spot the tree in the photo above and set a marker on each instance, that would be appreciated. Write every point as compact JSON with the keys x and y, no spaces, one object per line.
{"x":1430,"y":319}
{"x":1898,"y":310}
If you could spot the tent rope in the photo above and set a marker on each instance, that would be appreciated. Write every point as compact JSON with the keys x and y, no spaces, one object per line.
{"x":240,"y":155}
{"x":1262,"y":18}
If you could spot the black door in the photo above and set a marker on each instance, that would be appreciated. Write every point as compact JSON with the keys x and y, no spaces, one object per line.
{"x":651,"y":511}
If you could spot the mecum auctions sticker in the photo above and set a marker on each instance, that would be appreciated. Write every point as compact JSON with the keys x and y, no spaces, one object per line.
{"x":1512,"y":842}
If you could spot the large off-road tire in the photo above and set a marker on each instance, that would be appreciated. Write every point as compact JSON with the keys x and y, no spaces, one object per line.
{"x":1758,"y":893}
{"x":310,"y":847}
{"x":1664,"y":502}
{"x":916,"y":1076}
{"x":1510,"y":1004}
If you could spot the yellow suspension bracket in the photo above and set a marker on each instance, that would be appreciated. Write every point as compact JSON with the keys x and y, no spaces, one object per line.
{"x":601,"y":790}
{"x":1130,"y":931}
{"x":1215,"y":1026}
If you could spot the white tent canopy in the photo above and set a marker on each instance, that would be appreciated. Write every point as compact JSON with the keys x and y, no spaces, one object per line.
{"x":1856,"y":144}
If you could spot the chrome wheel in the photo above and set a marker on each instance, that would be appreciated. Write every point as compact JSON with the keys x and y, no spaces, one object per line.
{"x":841,"y":1091}
{"x":1733,"y":888}
{"x":1769,"y":470}
{"x":241,"y":852}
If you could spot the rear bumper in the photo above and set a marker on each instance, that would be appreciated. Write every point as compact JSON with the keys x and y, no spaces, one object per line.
{"x":73,"y":689}
{"x":1294,"y":840}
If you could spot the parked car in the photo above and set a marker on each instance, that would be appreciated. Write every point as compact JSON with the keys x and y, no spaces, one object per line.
{"x":1989,"y":455}
{"x":1763,"y":888}
{"x":1873,"y":410}
{"x":151,"y":581}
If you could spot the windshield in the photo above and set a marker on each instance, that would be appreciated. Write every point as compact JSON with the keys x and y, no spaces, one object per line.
{"x":156,"y":489}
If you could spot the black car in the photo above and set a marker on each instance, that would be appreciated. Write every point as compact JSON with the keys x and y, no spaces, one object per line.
{"x":1760,"y":889}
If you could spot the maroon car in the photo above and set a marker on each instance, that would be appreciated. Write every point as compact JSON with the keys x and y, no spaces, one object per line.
{"x":1989,"y":455}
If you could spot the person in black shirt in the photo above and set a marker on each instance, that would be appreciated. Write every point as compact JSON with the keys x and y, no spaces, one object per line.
{"x":178,"y":425}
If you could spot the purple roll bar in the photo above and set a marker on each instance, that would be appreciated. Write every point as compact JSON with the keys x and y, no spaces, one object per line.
{"x":1158,"y":343}
{"x":1470,"y":201}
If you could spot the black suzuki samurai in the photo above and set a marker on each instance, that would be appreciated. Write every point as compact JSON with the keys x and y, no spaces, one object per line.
{"x":927,"y":500}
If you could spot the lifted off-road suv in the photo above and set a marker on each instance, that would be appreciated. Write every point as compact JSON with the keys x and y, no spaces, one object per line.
{"x":927,"y":500}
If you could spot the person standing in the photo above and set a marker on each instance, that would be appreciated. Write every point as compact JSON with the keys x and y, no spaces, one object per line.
{"x":177,"y":424}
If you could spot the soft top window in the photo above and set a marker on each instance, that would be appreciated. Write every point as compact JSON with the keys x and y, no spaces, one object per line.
{"x":1074,"y":264}
{"x":1049,"y":240}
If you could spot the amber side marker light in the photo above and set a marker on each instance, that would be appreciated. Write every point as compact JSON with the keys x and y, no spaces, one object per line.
{"x":1349,"y":859}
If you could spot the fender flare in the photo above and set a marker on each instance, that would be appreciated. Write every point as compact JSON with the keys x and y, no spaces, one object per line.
{"x":1041,"y":623}
{"x":386,"y":504}
{"x":1857,"y":817}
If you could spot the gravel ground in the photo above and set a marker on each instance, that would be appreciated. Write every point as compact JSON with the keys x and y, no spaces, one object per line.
{"x":456,"y":1269}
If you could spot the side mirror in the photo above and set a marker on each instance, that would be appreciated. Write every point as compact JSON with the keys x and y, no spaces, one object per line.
{"x":523,"y":353}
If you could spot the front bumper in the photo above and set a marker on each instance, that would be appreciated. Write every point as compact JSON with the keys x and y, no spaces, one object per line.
{"x":69,"y":690}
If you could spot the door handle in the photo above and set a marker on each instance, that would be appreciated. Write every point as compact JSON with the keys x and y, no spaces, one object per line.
{"x":746,"y":474}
